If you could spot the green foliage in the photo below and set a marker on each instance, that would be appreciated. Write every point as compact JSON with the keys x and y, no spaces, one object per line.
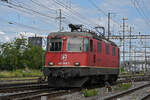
{"x":122,"y":70}
{"x":89,"y":93}
{"x":123,"y":86}
{"x":126,"y":86}
{"x":19,"y":54}
{"x":20,"y":73}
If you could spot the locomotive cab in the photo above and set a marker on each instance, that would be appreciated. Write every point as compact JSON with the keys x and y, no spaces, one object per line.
{"x":67,"y":51}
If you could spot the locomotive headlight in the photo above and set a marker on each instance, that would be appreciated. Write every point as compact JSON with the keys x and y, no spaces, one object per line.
{"x":77,"y":64}
{"x":51,"y":63}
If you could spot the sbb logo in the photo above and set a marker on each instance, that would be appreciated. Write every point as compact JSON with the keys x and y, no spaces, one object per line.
{"x":64,"y":57}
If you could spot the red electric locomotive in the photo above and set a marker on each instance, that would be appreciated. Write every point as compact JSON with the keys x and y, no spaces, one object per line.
{"x":76,"y":58}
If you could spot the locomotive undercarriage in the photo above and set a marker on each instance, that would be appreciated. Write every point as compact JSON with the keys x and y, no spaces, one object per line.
{"x":78,"y":76}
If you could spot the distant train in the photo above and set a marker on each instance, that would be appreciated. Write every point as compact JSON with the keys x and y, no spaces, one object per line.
{"x":77,"y":58}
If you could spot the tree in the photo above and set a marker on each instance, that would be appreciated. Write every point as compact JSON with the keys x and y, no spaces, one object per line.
{"x":35,"y":54}
{"x":19,"y":54}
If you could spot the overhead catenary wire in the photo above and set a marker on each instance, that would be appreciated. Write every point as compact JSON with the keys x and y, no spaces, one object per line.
{"x":83,"y":19}
{"x":145,"y":7}
{"x":139,"y":7}
{"x":26,"y":12}
{"x":22,"y":9}
{"x":23,"y":25}
{"x":41,"y":5}
{"x":141,"y":12}
{"x":29,"y":9}
{"x":100,"y":10}
{"x":34,"y":11}
{"x":44,"y":6}
{"x":14,"y":6}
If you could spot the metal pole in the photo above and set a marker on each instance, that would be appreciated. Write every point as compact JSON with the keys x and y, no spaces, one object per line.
{"x":60,"y":20}
{"x":145,"y":58}
{"x":130,"y":48}
{"x":124,"y":38}
{"x":109,"y":25}
{"x":135,"y":60}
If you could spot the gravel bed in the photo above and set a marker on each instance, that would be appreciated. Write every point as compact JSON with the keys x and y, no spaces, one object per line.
{"x":103,"y":92}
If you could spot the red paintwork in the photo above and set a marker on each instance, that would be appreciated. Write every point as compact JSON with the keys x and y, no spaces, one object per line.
{"x":71,"y":57}
{"x":86,"y":59}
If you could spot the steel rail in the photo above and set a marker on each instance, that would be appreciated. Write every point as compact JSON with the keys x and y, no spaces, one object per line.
{"x":120,"y":94}
{"x":23,"y":94}
{"x":48,"y":95}
{"x":22,"y":87}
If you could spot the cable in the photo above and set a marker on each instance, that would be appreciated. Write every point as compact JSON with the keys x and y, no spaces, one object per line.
{"x":27,"y":12}
{"x":100,"y":10}
{"x":142,"y":14}
{"x":145,"y":6}
{"x":31,"y":10}
{"x":97,"y":7}
{"x":73,"y":12}
{"x":41,"y":5}
{"x":142,"y":10}
{"x":23,"y":25}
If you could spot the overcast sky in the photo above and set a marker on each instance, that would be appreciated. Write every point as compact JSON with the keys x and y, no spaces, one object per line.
{"x":40,"y":16}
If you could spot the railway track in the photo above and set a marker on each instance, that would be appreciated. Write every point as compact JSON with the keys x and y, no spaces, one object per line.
{"x":20,"y":82}
{"x":36,"y":94}
{"x":146,"y":97}
{"x":23,"y":87}
{"x":34,"y":91}
{"x":126,"y":94}
{"x":6,"y":82}
{"x":14,"y":96}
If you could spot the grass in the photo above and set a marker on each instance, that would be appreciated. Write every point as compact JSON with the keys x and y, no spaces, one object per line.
{"x":123,"y":86}
{"x":89,"y":93}
{"x":20,"y":73}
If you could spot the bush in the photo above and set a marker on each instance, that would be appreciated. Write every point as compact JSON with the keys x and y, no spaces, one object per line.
{"x":126,"y":86}
{"x":89,"y":93}
{"x":123,"y":86}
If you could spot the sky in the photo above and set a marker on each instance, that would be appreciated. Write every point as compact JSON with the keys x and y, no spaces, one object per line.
{"x":41,"y":16}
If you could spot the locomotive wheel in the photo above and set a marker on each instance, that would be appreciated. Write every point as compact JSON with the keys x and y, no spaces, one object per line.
{"x":112,"y":79}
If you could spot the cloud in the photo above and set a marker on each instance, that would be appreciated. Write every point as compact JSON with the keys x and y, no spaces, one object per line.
{"x":2,"y":33}
{"x":7,"y":38}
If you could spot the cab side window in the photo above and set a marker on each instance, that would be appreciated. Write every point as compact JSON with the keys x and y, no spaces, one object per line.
{"x":91,"y":45}
{"x":86,"y":44}
{"x":107,"y":49}
{"x":99,"y":47}
{"x":113,"y":51}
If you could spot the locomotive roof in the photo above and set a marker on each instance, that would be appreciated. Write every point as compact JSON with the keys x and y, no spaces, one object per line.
{"x":53,"y":34}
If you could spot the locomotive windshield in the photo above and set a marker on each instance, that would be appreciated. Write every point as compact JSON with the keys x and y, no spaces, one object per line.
{"x":54,"y":44}
{"x":75,"y":44}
